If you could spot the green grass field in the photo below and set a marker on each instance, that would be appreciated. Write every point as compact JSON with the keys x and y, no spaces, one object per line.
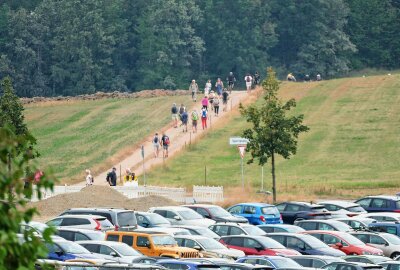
{"x":76,"y":135}
{"x":352,"y":148}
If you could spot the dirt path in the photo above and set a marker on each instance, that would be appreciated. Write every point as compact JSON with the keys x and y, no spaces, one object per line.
{"x":178,"y":141}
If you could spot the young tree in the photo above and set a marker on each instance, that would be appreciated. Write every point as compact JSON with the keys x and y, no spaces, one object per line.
{"x":273,"y":131}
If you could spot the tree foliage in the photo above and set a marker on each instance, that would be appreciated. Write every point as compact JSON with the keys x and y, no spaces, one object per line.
{"x":273,"y":131}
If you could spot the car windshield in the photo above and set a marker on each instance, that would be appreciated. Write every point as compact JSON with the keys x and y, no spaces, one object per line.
{"x":126,"y":219}
{"x":269,"y":243}
{"x":97,"y":236}
{"x":207,"y":233}
{"x":219,"y":211}
{"x":71,"y":247}
{"x":126,"y":250}
{"x":355,"y":209}
{"x":253,"y":230}
{"x":157,"y":219}
{"x":352,"y":240}
{"x":190,"y":215}
{"x":210,"y":244}
{"x":38,"y":226}
{"x":313,"y":242}
{"x":160,"y":240}
{"x":270,"y":210}
{"x":285,"y":263}
{"x":392,"y":239}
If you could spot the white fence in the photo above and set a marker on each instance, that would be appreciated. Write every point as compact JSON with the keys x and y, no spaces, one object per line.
{"x":208,"y":194}
{"x":200,"y":193}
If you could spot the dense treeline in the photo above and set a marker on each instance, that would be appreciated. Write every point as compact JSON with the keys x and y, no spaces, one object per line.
{"x":70,"y":47}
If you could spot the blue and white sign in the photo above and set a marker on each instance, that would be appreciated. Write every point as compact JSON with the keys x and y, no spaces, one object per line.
{"x":238,"y":141}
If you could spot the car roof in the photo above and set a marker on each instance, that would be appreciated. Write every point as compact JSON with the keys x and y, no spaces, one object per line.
{"x":171,"y":208}
{"x":388,"y":197}
{"x":356,"y":218}
{"x":340,"y":203}
{"x":72,"y":229}
{"x":255,"y":204}
{"x":336,"y":233}
{"x":185,"y":262}
{"x":194,"y":237}
{"x":261,"y":257}
{"x":328,"y":221}
{"x":194,"y":227}
{"x":300,"y":235}
{"x":81,"y":216}
{"x":305,"y":204}
{"x":245,"y":236}
{"x":200,"y":205}
{"x":101,"y":242}
{"x":358,"y":263}
{"x":231,"y":224}
{"x":389,"y":262}
{"x":278,"y":225}
{"x":322,"y":257}
{"x":99,"y":209}
{"x":390,"y":214}
{"x":364,"y":256}
{"x":385,"y":223}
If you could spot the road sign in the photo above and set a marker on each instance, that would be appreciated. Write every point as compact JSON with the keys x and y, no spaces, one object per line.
{"x":242,"y":149}
{"x":238,"y":141}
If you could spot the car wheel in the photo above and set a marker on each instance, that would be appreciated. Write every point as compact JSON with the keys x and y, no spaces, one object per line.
{"x":394,"y":255}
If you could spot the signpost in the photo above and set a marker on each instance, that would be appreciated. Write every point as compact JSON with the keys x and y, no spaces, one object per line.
{"x":241,"y":144}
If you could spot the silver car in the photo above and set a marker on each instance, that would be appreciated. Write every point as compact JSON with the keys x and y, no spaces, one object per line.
{"x":90,"y":222}
{"x":179,"y":215}
{"x":388,"y":243}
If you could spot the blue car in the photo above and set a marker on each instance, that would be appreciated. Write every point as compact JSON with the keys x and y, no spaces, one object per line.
{"x":380,"y":203}
{"x":387,"y":227}
{"x":62,"y":250}
{"x":272,"y":261}
{"x":257,"y":213}
{"x":187,"y":265}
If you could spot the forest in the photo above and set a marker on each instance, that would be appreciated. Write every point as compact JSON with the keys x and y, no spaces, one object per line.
{"x":73,"y":47}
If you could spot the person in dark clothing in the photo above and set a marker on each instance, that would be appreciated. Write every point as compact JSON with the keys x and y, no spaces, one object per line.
{"x":185,"y":118}
{"x":112,"y":177}
{"x":225,"y":97}
{"x":231,"y":81}
{"x":256,"y":78}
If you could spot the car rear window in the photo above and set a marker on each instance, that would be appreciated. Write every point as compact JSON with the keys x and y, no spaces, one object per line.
{"x":270,"y":210}
{"x":126,"y":219}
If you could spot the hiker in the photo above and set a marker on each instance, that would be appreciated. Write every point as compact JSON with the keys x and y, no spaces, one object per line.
{"x":156,"y":145}
{"x":219,"y":85}
{"x":290,"y":77}
{"x":256,"y":78}
{"x":112,"y":177}
{"x":319,"y":78}
{"x":307,"y":78}
{"x":204,"y":102}
{"x":225,"y":97}
{"x":185,"y":119}
{"x":181,"y":110}
{"x":216,"y":106}
{"x":203,"y":118}
{"x":231,"y":81}
{"x":174,"y":114}
{"x":165,"y":144}
{"x":89,"y":178}
{"x":128,"y":176}
{"x":194,"y":88}
{"x":207,"y":88}
{"x":195,"y":118}
{"x":211,"y":98}
{"x":248,"y":79}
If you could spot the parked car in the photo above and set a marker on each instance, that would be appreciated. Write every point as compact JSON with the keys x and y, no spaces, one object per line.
{"x":315,"y":261}
{"x":350,"y":209}
{"x":37,"y":227}
{"x":122,"y":219}
{"x":257,"y":245}
{"x":208,"y":247}
{"x":179,"y":215}
{"x":187,"y":265}
{"x":380,"y":203}
{"x":151,"y":220}
{"x":257,"y":213}
{"x":357,"y":222}
{"x":271,"y":228}
{"x":351,"y":266}
{"x":294,"y":211}
{"x":323,"y":225}
{"x":216,"y":213}
{"x":390,"y":265}
{"x":90,"y":222}
{"x":388,"y":243}
{"x":198,"y":230}
{"x":120,"y":252}
{"x":305,"y":244}
{"x":272,"y":261}
{"x":387,"y":227}
{"x":344,"y":242}
{"x":75,"y":234}
{"x":62,"y":250}
{"x":366,"y":259}
{"x":152,"y":244}
{"x":223,"y":229}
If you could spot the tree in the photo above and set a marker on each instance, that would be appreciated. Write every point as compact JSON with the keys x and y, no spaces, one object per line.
{"x":273,"y":131}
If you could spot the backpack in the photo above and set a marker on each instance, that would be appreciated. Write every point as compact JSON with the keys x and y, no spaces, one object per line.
{"x":155,"y":140}
{"x":248,"y":79}
{"x":204,"y":113}
{"x":166,"y":140}
{"x":174,"y":110}
{"x":195,"y":116}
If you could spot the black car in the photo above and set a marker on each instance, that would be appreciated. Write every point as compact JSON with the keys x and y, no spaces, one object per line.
{"x":351,"y":266}
{"x":216,"y":213}
{"x":380,"y":203}
{"x":295,"y":211}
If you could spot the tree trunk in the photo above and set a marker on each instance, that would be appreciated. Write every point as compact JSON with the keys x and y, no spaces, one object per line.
{"x":273,"y":178}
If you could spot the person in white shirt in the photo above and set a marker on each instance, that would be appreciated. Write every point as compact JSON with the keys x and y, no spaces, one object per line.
{"x":89,"y":178}
{"x":249,"y":80}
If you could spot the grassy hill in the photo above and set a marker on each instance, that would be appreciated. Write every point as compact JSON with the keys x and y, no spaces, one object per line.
{"x":352,"y":148}
{"x":75,"y":135}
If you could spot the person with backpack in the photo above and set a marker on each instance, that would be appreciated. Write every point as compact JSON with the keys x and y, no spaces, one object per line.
{"x":219,"y":85}
{"x":203,"y":113}
{"x":194,"y":88}
{"x":225,"y":97}
{"x":216,"y":106}
{"x":248,"y":79}
{"x":231,"y":81}
{"x":185,"y":118}
{"x":165,"y":144}
{"x":112,"y":177}
{"x":195,"y":118}
{"x":181,"y":110}
{"x":174,"y":114}
{"x":156,"y":145}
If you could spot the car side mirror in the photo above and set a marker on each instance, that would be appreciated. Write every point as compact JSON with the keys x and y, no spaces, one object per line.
{"x":145,"y":224}
{"x":197,"y":247}
{"x":177,"y":217}
{"x":113,"y":253}
{"x":339,"y":245}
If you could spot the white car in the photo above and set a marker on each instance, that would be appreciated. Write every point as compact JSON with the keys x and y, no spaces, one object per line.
{"x":198,"y":230}
{"x":383,"y":216}
{"x":341,"y":209}
{"x":208,"y":247}
{"x":179,"y":215}
{"x":90,"y":222}
{"x":357,"y":222}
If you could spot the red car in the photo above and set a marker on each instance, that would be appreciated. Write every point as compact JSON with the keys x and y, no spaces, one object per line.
{"x":257,"y":245}
{"x":345,"y":242}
